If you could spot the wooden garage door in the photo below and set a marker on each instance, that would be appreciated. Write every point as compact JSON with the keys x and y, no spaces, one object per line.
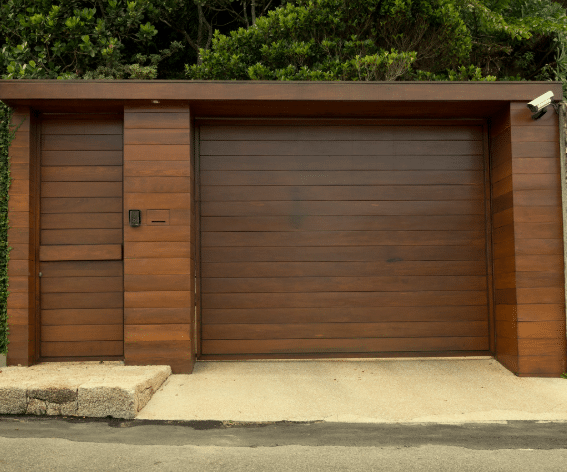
{"x":81,"y":236}
{"x":353,"y":239}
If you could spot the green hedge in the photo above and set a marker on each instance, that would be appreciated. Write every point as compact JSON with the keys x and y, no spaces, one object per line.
{"x":5,"y":137}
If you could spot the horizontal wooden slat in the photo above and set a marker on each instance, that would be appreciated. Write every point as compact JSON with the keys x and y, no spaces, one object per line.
{"x":343,"y":299}
{"x":81,"y":205}
{"x":161,"y":152}
{"x":342,"y":238}
{"x":336,"y":269}
{"x":315,"y":254}
{"x":153,"y":282}
{"x":345,"y":330}
{"x":158,"y":266}
{"x":242,"y":132}
{"x":342,"y":284}
{"x":314,"y":346}
{"x":81,"y":158}
{"x":81,"y":142}
{"x":157,"y":233}
{"x":86,"y":316}
{"x":81,"y":174}
{"x":81,"y":124}
{"x":150,"y":316}
{"x":341,"y":223}
{"x":164,"y":299}
{"x":336,"y":163}
{"x":81,"y":189}
{"x":157,"y":168}
{"x":82,"y":332}
{"x":156,"y":201}
{"x":156,"y":136}
{"x":156,"y":120}
{"x":340,"y":148}
{"x":81,"y":252}
{"x":81,"y":284}
{"x":81,"y":236}
{"x":158,"y":185}
{"x":345,"y":314}
{"x":220,"y":193}
{"x":157,"y":250}
{"x":81,"y":220}
{"x":338,"y":177}
{"x":149,"y":333}
{"x":337,"y":208}
{"x":58,"y":301}
{"x":82,"y":349}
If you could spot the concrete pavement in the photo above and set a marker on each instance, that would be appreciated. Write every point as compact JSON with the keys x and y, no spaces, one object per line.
{"x":424,"y":390}
{"x":418,"y":390}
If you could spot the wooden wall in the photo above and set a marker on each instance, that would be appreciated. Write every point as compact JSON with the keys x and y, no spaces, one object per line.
{"x":21,"y":238}
{"x":159,"y":284}
{"x":528,"y":243}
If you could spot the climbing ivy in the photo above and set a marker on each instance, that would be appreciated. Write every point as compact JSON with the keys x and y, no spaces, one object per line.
{"x":6,"y":136}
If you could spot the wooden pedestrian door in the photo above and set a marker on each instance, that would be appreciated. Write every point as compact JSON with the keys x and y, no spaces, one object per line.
{"x":81,"y":283}
{"x":326,"y":239}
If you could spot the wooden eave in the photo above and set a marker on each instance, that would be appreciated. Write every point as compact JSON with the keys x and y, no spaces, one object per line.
{"x":274,"y":98}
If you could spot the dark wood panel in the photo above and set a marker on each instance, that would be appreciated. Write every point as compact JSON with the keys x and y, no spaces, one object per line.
{"x":541,"y":329}
{"x":535,"y":149}
{"x":339,"y":208}
{"x":162,"y":332}
{"x":347,"y":163}
{"x":154,"y":201}
{"x":81,"y":236}
{"x":82,"y":348}
{"x":342,"y":238}
{"x":344,"y":345}
{"x":102,"y":252}
{"x":158,"y":266}
{"x":338,"y":177}
{"x":157,"y":250}
{"x":100,"y":316}
{"x":81,"y":174}
{"x":151,"y":316}
{"x":537,"y":198}
{"x":342,"y":299}
{"x":340,"y":284}
{"x":314,"y":254}
{"x":528,"y":165}
{"x":81,"y":220}
{"x":345,"y":330}
{"x":337,"y":269}
{"x":341,"y":223}
{"x":81,"y":269}
{"x":539,"y":230}
{"x":158,"y":233}
{"x":157,"y":168}
{"x":81,"y":284}
{"x":339,"y":148}
{"x":81,"y":189}
{"x":81,"y":142}
{"x":360,"y":132}
{"x":81,"y":158}
{"x":58,"y":301}
{"x":212,"y":193}
{"x":156,"y":136}
{"x":542,"y":366}
{"x":539,"y":262}
{"x":345,"y":314}
{"x":165,"y":299}
{"x":165,"y":152}
{"x":172,"y":353}
{"x":81,"y":124}
{"x":156,"y":120}
{"x":153,"y":282}
{"x":536,"y":182}
{"x":81,"y":205}
{"x":157,"y":185}
{"x":82,"y":333}
{"x":540,"y":214}
{"x":539,"y":246}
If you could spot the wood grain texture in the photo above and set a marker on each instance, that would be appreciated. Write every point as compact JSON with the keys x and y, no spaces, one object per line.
{"x":306,"y":221}
{"x":81,"y":237}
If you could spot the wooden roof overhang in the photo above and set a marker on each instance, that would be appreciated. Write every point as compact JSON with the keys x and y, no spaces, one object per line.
{"x":279,"y":99}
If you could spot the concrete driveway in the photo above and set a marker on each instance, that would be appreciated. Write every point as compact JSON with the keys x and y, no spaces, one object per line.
{"x":438,"y":390}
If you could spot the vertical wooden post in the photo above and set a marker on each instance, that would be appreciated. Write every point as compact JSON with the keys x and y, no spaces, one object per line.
{"x":528,"y":243}
{"x":159,"y":281}
{"x":21,"y":239}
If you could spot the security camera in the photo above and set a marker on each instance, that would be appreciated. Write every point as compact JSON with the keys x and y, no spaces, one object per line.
{"x":541,"y":102}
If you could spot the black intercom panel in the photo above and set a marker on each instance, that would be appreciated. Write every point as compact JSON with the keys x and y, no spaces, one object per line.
{"x":135,"y":218}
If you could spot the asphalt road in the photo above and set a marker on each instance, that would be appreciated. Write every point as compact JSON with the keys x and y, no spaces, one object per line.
{"x":71,"y":444}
